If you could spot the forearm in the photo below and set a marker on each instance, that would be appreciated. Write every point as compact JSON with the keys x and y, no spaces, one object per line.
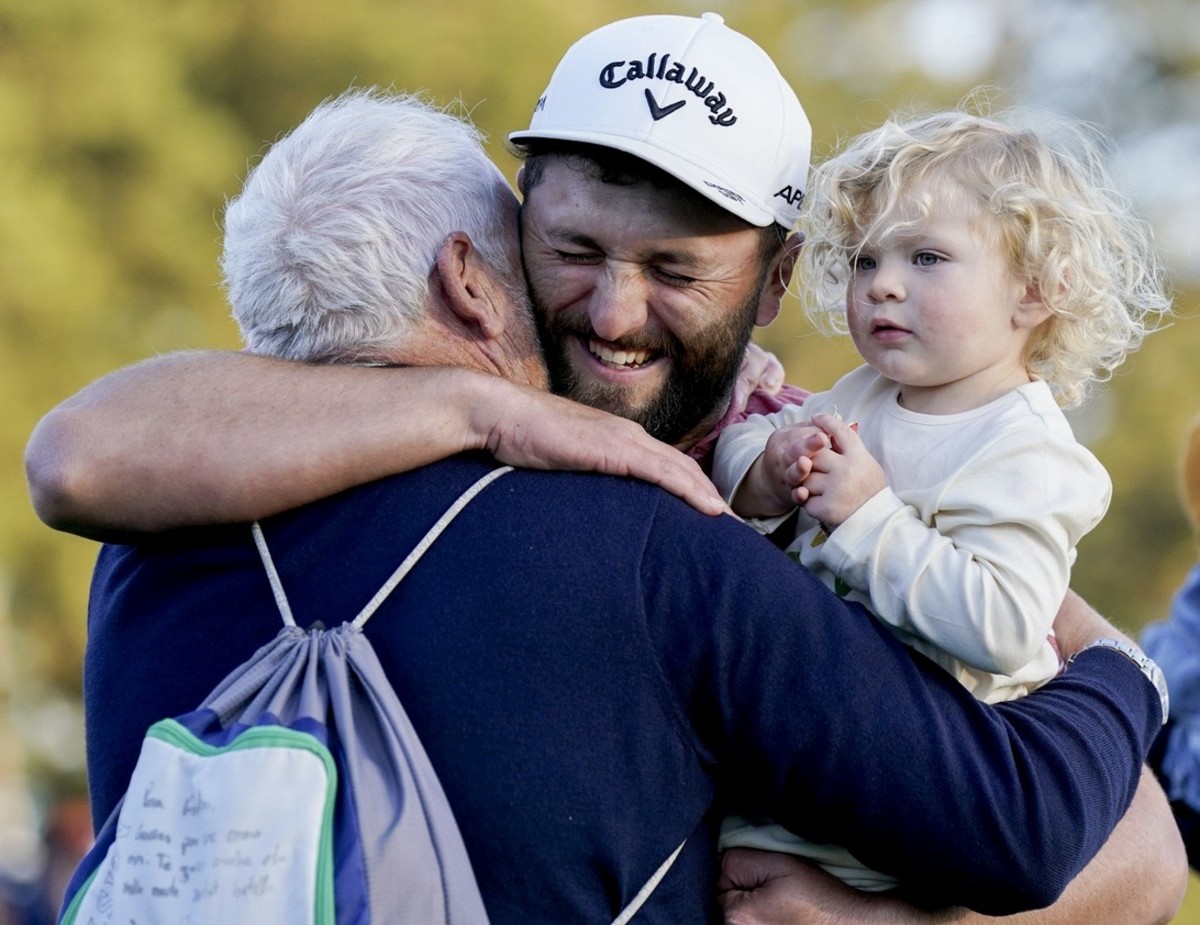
{"x":1039,"y":782}
{"x":1138,"y":878}
{"x":1077,"y":624}
{"x":214,"y":437}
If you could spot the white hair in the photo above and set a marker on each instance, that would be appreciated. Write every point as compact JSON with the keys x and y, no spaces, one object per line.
{"x":330,"y":245}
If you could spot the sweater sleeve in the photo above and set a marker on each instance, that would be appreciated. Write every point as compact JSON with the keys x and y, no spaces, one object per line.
{"x":813,"y":714}
{"x":984,"y":580}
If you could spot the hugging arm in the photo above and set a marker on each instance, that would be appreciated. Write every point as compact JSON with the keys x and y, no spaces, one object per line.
{"x":1138,"y":878}
{"x":842,"y":735}
{"x":198,"y":438}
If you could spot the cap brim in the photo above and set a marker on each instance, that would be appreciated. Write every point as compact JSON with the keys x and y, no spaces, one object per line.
{"x":680,"y":168}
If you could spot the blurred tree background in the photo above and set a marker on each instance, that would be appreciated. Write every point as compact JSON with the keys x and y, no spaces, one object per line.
{"x":125,"y":124}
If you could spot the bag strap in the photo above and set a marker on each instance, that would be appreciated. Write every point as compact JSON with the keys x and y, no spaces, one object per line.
{"x":281,"y":601}
{"x":648,"y":887}
{"x":389,"y":586}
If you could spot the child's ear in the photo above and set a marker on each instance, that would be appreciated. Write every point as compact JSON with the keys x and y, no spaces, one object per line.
{"x":1031,"y":309}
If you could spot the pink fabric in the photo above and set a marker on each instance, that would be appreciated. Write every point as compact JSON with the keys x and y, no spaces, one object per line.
{"x":760,"y":402}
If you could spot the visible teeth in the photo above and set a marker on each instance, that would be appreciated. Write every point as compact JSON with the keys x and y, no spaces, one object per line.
{"x":620,"y":357}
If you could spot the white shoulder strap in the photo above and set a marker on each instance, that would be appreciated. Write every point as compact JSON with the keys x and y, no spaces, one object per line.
{"x":433,"y":533}
{"x":648,"y":887}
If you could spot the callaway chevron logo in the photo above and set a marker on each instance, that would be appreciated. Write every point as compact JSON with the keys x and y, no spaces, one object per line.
{"x":618,"y":73}
{"x":661,"y":112}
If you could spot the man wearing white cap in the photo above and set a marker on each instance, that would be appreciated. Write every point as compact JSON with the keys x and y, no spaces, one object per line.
{"x":645,"y":295}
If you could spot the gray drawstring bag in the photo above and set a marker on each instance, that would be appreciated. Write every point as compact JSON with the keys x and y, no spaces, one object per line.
{"x":297,"y":793}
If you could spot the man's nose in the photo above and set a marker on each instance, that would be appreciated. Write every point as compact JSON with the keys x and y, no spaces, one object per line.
{"x":618,"y":306}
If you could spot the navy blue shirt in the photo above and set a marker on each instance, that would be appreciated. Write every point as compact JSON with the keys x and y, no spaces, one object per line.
{"x":598,"y":672}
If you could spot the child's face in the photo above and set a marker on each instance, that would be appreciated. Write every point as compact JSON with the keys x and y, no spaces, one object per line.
{"x":934,"y":306}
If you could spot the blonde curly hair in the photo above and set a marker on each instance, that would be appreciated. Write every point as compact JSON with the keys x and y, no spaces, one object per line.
{"x":1045,"y":196}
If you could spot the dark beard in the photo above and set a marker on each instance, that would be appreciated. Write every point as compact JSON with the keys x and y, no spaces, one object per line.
{"x":697,"y":389}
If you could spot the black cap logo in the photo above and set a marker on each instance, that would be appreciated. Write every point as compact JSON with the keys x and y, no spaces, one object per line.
{"x":661,"y":112}
{"x":618,"y":73}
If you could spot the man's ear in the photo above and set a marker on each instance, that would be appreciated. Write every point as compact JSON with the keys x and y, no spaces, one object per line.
{"x":521,"y":180}
{"x":469,"y":289}
{"x":779,"y":276}
{"x":1031,"y":309}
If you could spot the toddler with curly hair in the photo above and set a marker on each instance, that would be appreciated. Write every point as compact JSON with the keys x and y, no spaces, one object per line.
{"x":988,"y":273}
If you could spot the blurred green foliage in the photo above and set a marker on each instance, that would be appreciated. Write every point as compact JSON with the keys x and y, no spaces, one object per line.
{"x":125,"y":124}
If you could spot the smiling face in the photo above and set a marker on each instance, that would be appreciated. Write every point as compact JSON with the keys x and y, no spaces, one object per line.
{"x":933,"y":304}
{"x":644,"y":296}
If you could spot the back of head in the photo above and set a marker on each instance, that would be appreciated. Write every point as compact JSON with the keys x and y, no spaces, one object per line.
{"x":329,"y":247}
{"x":692,"y":97}
{"x":1044,"y":196}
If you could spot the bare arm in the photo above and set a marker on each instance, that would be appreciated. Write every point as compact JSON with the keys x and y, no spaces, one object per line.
{"x":220,"y":437}
{"x":1138,"y":878}
{"x":1077,"y":623}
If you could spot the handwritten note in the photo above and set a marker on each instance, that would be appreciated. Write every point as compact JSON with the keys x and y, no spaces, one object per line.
{"x":229,"y":836}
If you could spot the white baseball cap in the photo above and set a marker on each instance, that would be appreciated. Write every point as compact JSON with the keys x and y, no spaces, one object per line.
{"x":692,"y":97}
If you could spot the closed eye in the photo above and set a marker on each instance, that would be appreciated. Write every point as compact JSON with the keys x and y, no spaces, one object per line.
{"x":575,"y":257}
{"x":678,"y":280}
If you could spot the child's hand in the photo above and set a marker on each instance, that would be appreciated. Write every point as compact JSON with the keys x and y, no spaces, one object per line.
{"x":843,"y":476}
{"x":787,"y":461}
